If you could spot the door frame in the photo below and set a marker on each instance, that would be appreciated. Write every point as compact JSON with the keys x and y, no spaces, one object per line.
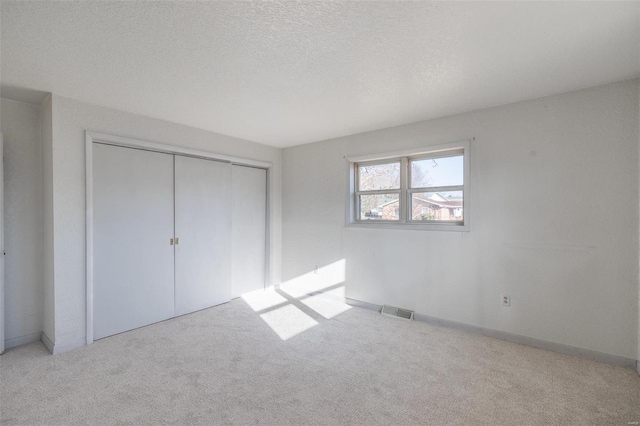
{"x":95,"y":137}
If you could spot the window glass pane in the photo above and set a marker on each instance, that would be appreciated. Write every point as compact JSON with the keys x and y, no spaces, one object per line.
{"x":380,"y":207}
{"x":379,"y":176}
{"x":445,"y":171}
{"x":437,"y":206}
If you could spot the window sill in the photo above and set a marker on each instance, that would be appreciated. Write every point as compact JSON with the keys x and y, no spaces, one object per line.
{"x":410,"y":226}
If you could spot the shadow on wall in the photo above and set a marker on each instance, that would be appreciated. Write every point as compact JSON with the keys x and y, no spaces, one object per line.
{"x":297,"y":305}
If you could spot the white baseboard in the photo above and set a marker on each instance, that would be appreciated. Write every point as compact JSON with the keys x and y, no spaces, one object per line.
{"x":47,"y":342}
{"x":22,"y":340}
{"x":56,"y":349}
{"x":517,"y":338}
{"x":365,"y":305}
{"x":68,"y":346}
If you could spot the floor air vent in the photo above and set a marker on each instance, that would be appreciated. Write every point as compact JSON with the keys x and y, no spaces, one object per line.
{"x":397,"y":312}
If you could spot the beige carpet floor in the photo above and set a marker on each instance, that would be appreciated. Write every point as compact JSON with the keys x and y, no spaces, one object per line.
{"x":230,"y":365}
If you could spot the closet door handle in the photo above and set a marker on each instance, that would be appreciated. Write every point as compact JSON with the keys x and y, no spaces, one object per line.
{"x":170,"y":241}
{"x":177,"y":240}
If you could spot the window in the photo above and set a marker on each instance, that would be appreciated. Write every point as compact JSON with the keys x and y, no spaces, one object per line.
{"x":418,"y":189}
{"x":379,"y":190}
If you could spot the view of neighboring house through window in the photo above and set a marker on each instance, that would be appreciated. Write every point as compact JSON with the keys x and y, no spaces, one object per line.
{"x":379,"y":195}
{"x":437,"y":188}
{"x":426,"y":188}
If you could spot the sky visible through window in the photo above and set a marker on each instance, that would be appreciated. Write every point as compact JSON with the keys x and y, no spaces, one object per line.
{"x":446,"y":171}
{"x":444,"y":205}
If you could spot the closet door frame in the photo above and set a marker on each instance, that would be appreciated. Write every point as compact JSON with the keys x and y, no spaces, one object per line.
{"x":95,"y":137}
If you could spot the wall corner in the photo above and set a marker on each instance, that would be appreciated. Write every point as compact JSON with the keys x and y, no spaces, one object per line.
{"x":48,"y":308}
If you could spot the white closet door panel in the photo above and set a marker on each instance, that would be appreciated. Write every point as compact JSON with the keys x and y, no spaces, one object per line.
{"x":203,"y":227}
{"x":249,"y":208}
{"x":132,"y":225}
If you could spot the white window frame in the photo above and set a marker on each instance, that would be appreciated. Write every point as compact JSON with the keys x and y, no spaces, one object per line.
{"x":397,"y":191}
{"x":405,"y":156}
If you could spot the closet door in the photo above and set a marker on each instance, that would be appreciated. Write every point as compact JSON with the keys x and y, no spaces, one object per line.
{"x":249,"y":209}
{"x":132,"y":228}
{"x":203,"y":233}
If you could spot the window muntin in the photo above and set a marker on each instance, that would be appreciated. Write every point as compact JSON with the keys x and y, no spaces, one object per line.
{"x":426,"y":189}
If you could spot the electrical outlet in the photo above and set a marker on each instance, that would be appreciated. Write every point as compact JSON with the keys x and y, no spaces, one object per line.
{"x":315,"y":269}
{"x":505,"y":299}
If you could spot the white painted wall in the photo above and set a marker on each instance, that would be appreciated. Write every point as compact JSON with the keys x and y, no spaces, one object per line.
{"x":70,"y":119}
{"x":23,"y":226}
{"x":554,"y":193}
{"x":2,"y":333}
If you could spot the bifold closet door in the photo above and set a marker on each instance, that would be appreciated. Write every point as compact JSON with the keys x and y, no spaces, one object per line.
{"x":132,"y":227}
{"x":203,"y":233}
{"x":249,"y":209}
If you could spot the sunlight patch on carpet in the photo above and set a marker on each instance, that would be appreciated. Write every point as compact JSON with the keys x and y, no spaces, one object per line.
{"x":328,"y":304}
{"x":263,"y":299}
{"x":288,"y":321}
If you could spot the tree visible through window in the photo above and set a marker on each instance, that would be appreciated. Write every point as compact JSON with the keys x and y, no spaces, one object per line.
{"x":426,"y":188}
{"x":380,"y":186}
{"x":436,"y":188}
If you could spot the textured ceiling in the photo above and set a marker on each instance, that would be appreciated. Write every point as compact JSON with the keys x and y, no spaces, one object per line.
{"x":286,"y":73}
